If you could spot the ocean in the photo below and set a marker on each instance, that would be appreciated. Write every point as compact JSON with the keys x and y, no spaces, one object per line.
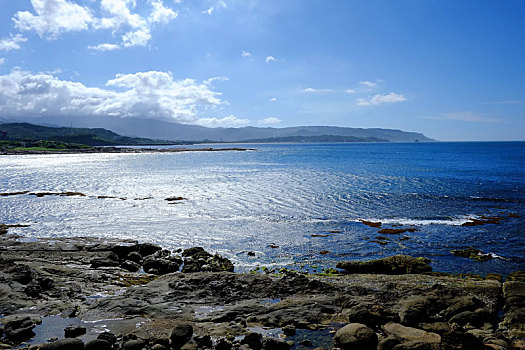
{"x":293,"y":205}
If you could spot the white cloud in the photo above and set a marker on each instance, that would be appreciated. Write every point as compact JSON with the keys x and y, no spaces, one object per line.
{"x":53,"y":17}
{"x":381,"y":99}
{"x":2,"y":61}
{"x":212,"y":79}
{"x":246,"y":54}
{"x":161,"y":14}
{"x":229,"y":121}
{"x":350,"y":91}
{"x":150,"y":94}
{"x":316,"y":91}
{"x":119,"y":15}
{"x":368,"y":84}
{"x":105,"y":47}
{"x":12,"y":43}
{"x":270,"y":59}
{"x":210,"y":10}
{"x":466,"y":116}
{"x":269,"y":121}
{"x":273,"y":99}
{"x":140,"y":37}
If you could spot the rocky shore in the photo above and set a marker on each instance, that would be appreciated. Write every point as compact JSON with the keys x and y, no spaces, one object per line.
{"x":88,"y":293}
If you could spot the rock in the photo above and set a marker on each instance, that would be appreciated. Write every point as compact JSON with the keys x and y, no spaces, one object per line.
{"x":63,"y":344}
{"x":134,"y":344}
{"x":130,"y":266}
{"x":370,"y":315}
{"x":180,"y":335}
{"x":393,"y":265}
{"x":518,"y":344}
{"x":109,"y":337}
{"x":196,"y":252}
{"x":388,"y":343}
{"x":223,"y":344}
{"x":191,"y":345}
{"x":22,"y":274}
{"x":356,"y":336}
{"x":458,"y":340}
{"x":415,"y":345}
{"x":39,"y":285}
{"x":253,"y":340}
{"x":146,"y":249}
{"x":274,"y":344}
{"x":196,"y":259}
{"x":415,"y":310}
{"x":436,"y":327}
{"x":289,"y":330}
{"x":159,"y":266}
{"x":475,"y":318}
{"x":158,"y":347}
{"x":411,"y":334}
{"x":123,"y":250}
{"x":466,"y":303}
{"x":203,"y":341}
{"x":102,"y":262}
{"x":514,"y":294}
{"x":98,"y":344}
{"x":74,"y":330}
{"x":218,"y":264}
{"x":135,"y":257}
{"x":472,"y":253}
{"x":19,"y":329}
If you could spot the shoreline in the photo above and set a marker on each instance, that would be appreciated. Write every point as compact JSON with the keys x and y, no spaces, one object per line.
{"x":86,"y":280}
{"x":121,"y":150}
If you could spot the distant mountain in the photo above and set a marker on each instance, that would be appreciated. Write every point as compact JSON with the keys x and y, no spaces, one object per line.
{"x":320,"y":138}
{"x":155,"y":129}
{"x":91,"y":137}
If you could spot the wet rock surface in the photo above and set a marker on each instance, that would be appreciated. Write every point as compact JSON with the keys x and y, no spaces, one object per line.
{"x":195,"y":301}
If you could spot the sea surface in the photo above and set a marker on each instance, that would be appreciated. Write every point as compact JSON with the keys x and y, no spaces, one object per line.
{"x":295,"y":205}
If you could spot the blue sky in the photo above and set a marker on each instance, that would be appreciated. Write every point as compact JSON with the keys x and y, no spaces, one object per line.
{"x":453,"y":70}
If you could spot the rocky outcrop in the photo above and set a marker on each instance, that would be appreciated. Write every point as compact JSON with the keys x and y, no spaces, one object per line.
{"x":393,"y":265}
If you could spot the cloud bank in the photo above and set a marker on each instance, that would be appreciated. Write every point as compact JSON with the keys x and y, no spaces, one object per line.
{"x":381,"y":99}
{"x":151,"y":94}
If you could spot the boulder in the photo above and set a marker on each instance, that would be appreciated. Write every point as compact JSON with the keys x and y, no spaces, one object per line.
{"x":22,"y":274}
{"x":415,"y":310}
{"x":130,"y":266}
{"x":274,"y":344}
{"x":217,"y":264}
{"x":123,"y":250}
{"x":63,"y":344}
{"x":356,"y":336}
{"x":133,"y":344}
{"x":393,"y":265}
{"x":98,"y":344}
{"x":19,"y":329}
{"x":158,"y":347}
{"x":223,"y":344}
{"x":159,"y":266}
{"x":465,"y":303}
{"x":103,"y":262}
{"x":253,"y":340}
{"x":415,"y":345}
{"x":458,"y":340}
{"x":74,"y":330}
{"x":135,"y":257}
{"x":411,"y":334}
{"x":475,"y":318}
{"x":109,"y":337}
{"x":180,"y":335}
{"x":146,"y":249}
{"x":388,"y":343}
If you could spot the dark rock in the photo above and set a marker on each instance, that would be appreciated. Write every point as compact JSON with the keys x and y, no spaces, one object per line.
{"x":305,"y":342}
{"x":203,"y":341}
{"x":223,"y":344}
{"x":133,"y":344}
{"x":416,"y":345}
{"x":21,"y":273}
{"x":159,"y":266}
{"x":191,"y":345}
{"x":475,"y":318}
{"x":123,"y":250}
{"x":253,"y":340}
{"x":436,"y":327}
{"x":109,"y":337}
{"x":415,"y":310}
{"x":198,"y":252}
{"x":393,"y":265}
{"x":370,"y":315}
{"x":63,"y":344}
{"x":98,"y":344}
{"x":135,"y":257}
{"x":472,"y":253}
{"x":388,"y":343}
{"x":289,"y":330}
{"x":408,"y":334}
{"x":458,"y":340}
{"x":250,"y":253}
{"x":218,"y":264}
{"x":38,"y":286}
{"x":103,"y":262}
{"x":74,"y":330}
{"x":130,"y":266}
{"x":158,"y":347}
{"x":274,"y":344}
{"x":180,"y":335}
{"x":20,"y":329}
{"x":466,"y":303}
{"x":146,"y":249}
{"x":356,"y":336}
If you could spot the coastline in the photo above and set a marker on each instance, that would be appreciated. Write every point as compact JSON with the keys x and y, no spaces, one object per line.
{"x":90,"y":282}
{"x":120,"y":150}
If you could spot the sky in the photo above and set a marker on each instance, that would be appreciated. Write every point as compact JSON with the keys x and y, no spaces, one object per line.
{"x":451,"y":69}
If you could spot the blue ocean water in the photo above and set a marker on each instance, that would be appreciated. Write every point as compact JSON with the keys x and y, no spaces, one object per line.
{"x":287,"y":202}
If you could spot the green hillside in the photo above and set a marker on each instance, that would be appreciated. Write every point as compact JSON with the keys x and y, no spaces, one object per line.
{"x":85,"y":136}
